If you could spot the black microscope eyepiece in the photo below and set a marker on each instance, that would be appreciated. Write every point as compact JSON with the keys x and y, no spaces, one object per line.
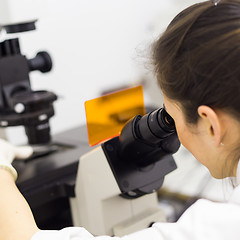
{"x":143,"y":136}
{"x":154,"y":126}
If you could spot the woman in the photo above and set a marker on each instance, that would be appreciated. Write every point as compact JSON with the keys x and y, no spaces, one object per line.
{"x":196,"y":62}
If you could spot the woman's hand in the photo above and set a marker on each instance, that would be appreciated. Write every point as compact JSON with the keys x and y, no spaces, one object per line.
{"x":8,"y":152}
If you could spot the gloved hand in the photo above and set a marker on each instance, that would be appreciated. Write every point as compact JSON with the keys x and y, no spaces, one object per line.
{"x":8,"y":152}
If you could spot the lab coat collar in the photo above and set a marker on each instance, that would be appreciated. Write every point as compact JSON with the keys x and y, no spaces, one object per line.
{"x":235,"y":197}
{"x":238,"y":174}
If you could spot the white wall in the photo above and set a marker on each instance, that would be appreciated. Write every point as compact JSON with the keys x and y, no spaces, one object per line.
{"x":95,"y":45}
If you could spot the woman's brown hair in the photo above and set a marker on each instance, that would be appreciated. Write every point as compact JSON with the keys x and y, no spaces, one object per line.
{"x":197,"y":59}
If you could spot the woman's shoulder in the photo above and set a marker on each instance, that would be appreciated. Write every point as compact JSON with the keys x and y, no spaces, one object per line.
{"x":205,"y":219}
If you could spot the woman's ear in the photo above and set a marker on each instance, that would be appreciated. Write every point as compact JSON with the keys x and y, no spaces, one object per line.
{"x":211,"y":124}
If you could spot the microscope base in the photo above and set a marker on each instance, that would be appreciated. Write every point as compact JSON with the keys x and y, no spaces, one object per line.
{"x":98,"y":205}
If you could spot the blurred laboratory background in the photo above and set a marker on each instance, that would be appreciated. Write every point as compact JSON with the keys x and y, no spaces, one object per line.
{"x":96,"y":46}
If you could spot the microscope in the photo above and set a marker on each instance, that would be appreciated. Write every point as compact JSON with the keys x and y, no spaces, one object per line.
{"x":19,"y":104}
{"x":47,"y":177}
{"x":116,"y":185}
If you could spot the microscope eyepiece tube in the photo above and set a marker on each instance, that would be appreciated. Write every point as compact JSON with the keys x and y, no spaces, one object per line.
{"x":156,"y":126}
{"x":148,"y":135}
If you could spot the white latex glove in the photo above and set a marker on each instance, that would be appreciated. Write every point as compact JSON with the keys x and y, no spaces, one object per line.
{"x":8,"y":152}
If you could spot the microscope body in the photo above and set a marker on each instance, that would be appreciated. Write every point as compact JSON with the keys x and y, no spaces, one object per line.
{"x":99,"y":205}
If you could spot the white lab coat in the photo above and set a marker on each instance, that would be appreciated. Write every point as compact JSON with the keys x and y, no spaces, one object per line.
{"x":204,"y":220}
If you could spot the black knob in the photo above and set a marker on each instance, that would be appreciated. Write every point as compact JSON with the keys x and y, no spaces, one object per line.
{"x":41,"y":62}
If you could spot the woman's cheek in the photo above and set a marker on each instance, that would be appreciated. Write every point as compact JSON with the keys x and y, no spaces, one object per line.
{"x":183,"y":136}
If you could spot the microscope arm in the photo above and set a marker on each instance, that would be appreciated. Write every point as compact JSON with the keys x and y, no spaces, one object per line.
{"x":99,"y":206}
